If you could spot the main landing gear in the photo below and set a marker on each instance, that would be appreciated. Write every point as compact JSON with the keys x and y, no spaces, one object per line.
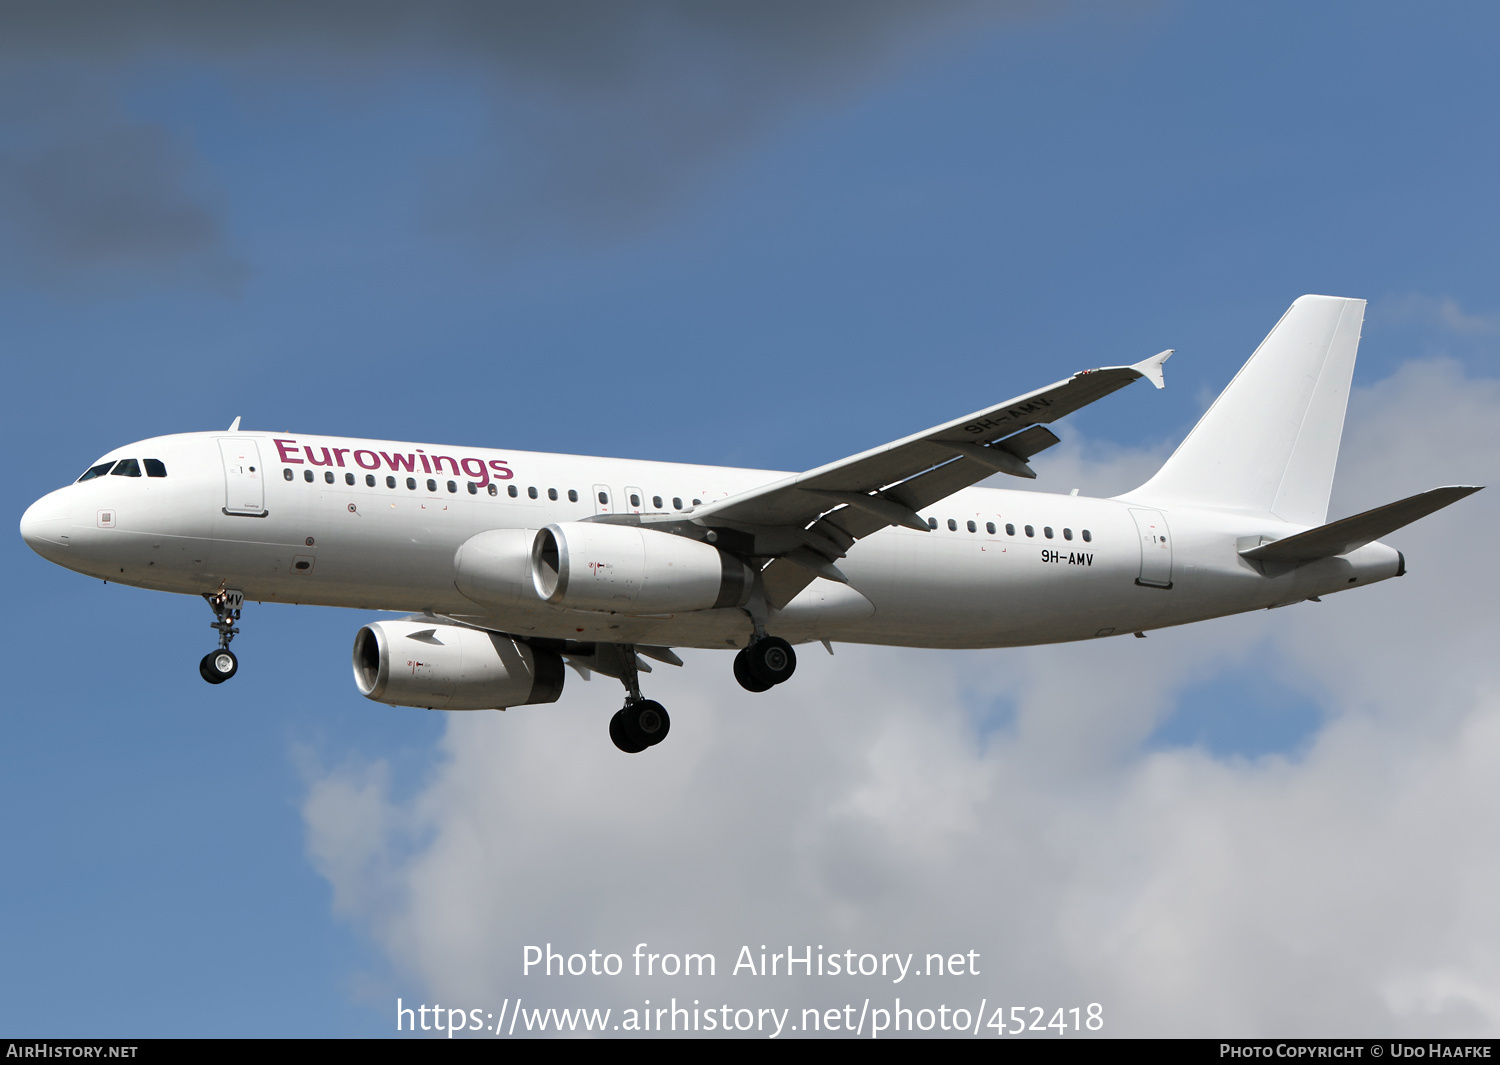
{"x":764,"y":664}
{"x":218,"y":666}
{"x":641,"y":722}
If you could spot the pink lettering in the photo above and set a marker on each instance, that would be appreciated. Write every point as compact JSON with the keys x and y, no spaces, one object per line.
{"x":479,"y":474}
{"x":502,"y":471}
{"x":373,"y":464}
{"x":281,"y":450}
{"x":437,"y":464}
{"x":326,"y":460}
{"x":400,"y":462}
{"x":339,"y":453}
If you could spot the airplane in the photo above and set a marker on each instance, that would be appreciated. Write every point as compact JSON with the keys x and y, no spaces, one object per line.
{"x":513,"y":566}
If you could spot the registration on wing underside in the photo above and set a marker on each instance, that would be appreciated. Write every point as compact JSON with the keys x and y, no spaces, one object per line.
{"x":835,"y":505}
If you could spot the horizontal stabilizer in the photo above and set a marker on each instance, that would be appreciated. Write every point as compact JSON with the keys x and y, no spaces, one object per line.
{"x":1349,"y":534}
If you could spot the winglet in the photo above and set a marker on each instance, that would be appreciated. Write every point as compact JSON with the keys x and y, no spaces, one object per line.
{"x":1150,"y":368}
{"x":235,"y":425}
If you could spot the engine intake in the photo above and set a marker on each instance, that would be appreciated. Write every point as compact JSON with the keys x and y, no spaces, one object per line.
{"x":630,"y":570}
{"x":448,"y":667}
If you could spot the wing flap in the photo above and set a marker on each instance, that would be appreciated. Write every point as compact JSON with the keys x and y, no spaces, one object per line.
{"x":1349,"y":534}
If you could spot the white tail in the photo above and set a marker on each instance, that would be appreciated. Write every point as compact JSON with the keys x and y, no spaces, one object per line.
{"x":1269,"y":443}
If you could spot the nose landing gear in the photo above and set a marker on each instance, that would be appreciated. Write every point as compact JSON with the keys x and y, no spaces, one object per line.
{"x":218,"y":666}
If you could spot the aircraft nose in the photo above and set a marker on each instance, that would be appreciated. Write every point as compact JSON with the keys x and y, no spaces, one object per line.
{"x":46,"y":526}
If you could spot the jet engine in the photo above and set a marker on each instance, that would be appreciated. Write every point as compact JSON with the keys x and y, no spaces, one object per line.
{"x":624,"y":568}
{"x":448,"y":667}
{"x":493,"y":568}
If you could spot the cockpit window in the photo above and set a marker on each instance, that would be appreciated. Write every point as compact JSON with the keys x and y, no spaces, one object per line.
{"x":96,"y":471}
{"x":126,"y":468}
{"x":154,"y":468}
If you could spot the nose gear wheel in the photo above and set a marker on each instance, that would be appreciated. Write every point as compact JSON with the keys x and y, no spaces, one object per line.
{"x":218,"y":666}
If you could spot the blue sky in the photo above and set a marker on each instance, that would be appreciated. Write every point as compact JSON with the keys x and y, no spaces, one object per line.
{"x":758,"y":238}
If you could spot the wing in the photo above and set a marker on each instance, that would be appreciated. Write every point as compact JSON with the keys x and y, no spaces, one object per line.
{"x":806,"y":522}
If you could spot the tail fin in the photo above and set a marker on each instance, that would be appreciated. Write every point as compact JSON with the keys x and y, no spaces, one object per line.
{"x":1269,"y":443}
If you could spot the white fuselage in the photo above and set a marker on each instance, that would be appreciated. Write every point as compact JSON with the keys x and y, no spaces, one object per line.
{"x":276,"y":516}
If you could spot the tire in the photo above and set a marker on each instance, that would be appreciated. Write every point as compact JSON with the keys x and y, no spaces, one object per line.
{"x":620,"y":733}
{"x":748,"y":680}
{"x":648,"y":721}
{"x":771,"y":659}
{"x":218,"y":666}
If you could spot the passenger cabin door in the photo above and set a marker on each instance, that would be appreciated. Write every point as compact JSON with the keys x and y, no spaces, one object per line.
{"x":244,"y":480}
{"x":1156,"y":548}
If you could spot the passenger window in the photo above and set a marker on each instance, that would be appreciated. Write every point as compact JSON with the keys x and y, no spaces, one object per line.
{"x":1030,"y":531}
{"x":328,"y":476}
{"x":1047,"y":532}
{"x":932,"y":523}
{"x":154,"y":468}
{"x":531,"y":492}
{"x":369,"y":480}
{"x":552,"y":494}
{"x":604,"y":498}
{"x":697,"y":502}
{"x":452,"y":487}
{"x":1067,"y":534}
{"x":390,"y":482}
{"x":307,"y":476}
{"x":1087,"y":536}
{"x":411,"y":484}
{"x":973,"y":527}
{"x":348,"y":478}
{"x":494,"y":491}
{"x":952,"y":525}
{"x":572,"y":495}
{"x":431,"y":485}
{"x":635,"y":500}
{"x":287,"y":473}
{"x":126,"y":468}
{"x":989,"y":527}
{"x":1010,"y":530}
{"x":514,"y":491}
{"x":676,"y":502}
{"x":473,"y":489}
{"x":656,"y":502}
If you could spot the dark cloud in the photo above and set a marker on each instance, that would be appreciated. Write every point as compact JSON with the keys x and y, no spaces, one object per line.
{"x":583,"y":43}
{"x":604,"y":113}
{"x":107,"y":199}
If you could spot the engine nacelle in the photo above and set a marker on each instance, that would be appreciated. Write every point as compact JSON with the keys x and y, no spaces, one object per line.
{"x":449,"y":667}
{"x":594,"y":566}
{"x":493,"y":568}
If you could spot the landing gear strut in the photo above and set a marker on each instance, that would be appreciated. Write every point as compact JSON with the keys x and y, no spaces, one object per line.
{"x":641,"y":722}
{"x":767,"y":662}
{"x":218,"y":666}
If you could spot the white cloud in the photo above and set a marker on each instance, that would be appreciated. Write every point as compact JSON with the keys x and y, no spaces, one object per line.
{"x":880,"y":802}
{"x":1441,"y":311}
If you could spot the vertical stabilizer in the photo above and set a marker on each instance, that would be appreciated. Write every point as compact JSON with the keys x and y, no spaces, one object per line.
{"x":1269,"y":443}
